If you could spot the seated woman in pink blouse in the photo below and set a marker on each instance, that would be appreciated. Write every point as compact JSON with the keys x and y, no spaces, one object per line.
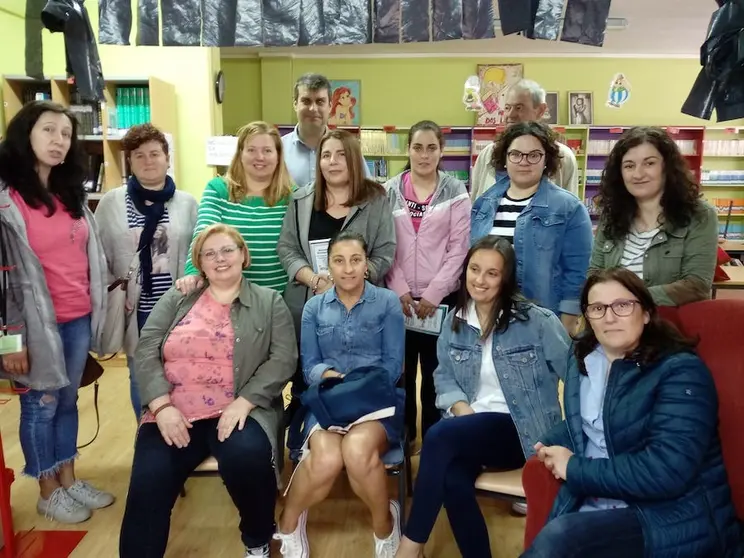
{"x":210,"y":367}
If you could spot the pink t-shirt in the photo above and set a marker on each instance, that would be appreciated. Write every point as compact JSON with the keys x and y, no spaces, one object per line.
{"x":198,"y":358}
{"x":61,"y":244}
{"x":416,"y":207}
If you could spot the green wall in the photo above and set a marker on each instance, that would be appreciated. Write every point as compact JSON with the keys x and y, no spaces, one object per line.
{"x":242,"y":102}
{"x":400,"y":91}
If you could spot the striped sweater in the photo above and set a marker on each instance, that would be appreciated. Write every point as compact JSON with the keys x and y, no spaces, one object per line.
{"x":258,"y":224}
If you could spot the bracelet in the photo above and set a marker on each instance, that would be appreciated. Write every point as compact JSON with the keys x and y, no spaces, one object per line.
{"x":314,"y":282}
{"x":163,"y":406}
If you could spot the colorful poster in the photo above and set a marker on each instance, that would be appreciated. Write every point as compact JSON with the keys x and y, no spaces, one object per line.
{"x":619,"y":91}
{"x":495,"y":82}
{"x":345,"y":97}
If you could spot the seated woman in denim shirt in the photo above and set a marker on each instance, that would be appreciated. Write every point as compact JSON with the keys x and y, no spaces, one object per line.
{"x":500,"y":358}
{"x":352,"y":325}
{"x":643,"y":475}
{"x":549,"y":227}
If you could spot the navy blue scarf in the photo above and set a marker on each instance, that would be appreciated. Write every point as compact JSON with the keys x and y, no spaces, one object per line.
{"x":152,"y":213}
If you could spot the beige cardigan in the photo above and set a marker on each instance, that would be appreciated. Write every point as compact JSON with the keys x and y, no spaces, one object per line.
{"x":120,"y":248}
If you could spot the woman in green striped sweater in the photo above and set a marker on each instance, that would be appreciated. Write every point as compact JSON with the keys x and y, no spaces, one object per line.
{"x":252,"y":197}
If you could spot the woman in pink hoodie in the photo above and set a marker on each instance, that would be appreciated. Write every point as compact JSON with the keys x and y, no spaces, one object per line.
{"x":431,"y":211}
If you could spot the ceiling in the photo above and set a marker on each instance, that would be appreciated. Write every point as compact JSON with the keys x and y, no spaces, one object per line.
{"x":655,"y":28}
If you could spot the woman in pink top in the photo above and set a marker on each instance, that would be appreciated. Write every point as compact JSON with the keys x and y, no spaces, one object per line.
{"x":431,"y":210}
{"x":210,"y":368}
{"x":56,"y":276}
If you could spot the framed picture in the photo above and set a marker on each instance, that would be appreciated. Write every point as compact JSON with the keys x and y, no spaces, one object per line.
{"x":551,"y":113}
{"x":345,"y":97}
{"x":580,"y":108}
{"x":495,"y":82}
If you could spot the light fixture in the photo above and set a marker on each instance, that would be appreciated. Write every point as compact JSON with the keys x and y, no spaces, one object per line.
{"x":613,"y":23}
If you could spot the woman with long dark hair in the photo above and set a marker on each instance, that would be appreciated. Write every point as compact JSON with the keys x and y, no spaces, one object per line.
{"x":500,"y":358}
{"x":57,"y":276}
{"x":638,"y":453}
{"x":653,"y":219}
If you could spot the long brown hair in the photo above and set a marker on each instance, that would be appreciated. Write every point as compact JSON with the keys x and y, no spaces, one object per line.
{"x":659,"y":336}
{"x":361,"y":188}
{"x":237,"y":187}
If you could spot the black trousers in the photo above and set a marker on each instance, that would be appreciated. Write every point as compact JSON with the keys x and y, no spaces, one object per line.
{"x":159,"y":472}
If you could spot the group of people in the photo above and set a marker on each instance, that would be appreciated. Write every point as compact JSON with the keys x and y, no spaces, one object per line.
{"x":297,"y":267}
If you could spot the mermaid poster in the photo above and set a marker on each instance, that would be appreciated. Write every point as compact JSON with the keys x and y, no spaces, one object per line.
{"x":344,"y":103}
{"x":619,"y":91}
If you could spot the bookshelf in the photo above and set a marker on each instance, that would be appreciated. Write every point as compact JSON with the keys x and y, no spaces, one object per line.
{"x":102,"y":125}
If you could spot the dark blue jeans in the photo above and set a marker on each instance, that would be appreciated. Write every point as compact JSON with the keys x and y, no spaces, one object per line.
{"x":615,"y":533}
{"x":454,"y":453}
{"x":49,"y":419}
{"x":159,"y":472}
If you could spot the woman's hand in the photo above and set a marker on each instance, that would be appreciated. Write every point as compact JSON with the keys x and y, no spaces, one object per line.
{"x":189,"y":284}
{"x":408,"y":304}
{"x":425,"y":309}
{"x":331,"y":374}
{"x":461,"y":408}
{"x":234,"y":415}
{"x":324,"y":283}
{"x":173,"y":426}
{"x":555,"y":459}
{"x":16,"y":363}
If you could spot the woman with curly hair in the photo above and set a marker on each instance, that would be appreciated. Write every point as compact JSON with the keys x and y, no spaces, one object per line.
{"x":653,"y":220}
{"x":549,"y":227}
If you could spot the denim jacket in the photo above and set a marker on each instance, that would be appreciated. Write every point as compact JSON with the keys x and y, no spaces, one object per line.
{"x":552,"y":241}
{"x":372,"y":333}
{"x":529,"y":357}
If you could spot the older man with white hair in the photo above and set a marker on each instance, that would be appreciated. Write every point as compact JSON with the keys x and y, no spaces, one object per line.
{"x":524,"y":102}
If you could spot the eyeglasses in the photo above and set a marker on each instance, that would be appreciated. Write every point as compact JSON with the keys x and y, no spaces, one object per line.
{"x":225,"y":252}
{"x":621,"y":309}
{"x":533,"y":157}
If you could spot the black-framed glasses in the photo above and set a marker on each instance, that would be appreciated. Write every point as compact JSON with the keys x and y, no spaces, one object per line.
{"x":533,"y":157}
{"x":621,"y":309}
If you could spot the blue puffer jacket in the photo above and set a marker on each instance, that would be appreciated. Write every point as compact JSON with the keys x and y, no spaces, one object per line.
{"x":665,"y":456}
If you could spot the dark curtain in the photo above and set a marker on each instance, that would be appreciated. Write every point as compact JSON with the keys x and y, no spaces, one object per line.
{"x":114,"y":21}
{"x":148,"y":23}
{"x":387,"y":21}
{"x":477,"y":19}
{"x":182,"y":20}
{"x":447,"y":20}
{"x":414,"y":21}
{"x":248,"y":23}
{"x":34,"y":49}
{"x":218,"y":22}
{"x":548,"y":20}
{"x":586,"y":22}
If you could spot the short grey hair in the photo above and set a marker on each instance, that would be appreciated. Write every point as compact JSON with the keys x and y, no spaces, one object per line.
{"x":533,"y":88}
{"x":313,"y":82}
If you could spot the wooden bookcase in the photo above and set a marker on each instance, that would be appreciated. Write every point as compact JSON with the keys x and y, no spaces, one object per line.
{"x":162,"y":102}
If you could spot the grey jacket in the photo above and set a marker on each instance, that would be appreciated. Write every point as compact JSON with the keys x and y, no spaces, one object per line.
{"x":373,"y":220}
{"x":30,"y":306}
{"x":265,"y":353}
{"x":120,"y":248}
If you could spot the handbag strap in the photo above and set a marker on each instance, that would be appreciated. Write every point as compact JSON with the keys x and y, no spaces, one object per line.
{"x":4,"y":280}
{"x":98,"y":417}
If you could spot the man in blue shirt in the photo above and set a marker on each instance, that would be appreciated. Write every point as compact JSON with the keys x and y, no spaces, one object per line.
{"x":312,"y":104}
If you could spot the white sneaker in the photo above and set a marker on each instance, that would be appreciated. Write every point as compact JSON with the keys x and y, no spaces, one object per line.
{"x":386,"y":548}
{"x":90,"y":497}
{"x":295,"y":544}
{"x":260,"y":552}
{"x":63,"y":508}
{"x":519,"y":508}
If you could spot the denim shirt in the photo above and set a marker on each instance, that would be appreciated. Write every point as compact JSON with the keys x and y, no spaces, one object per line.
{"x":529,"y":357}
{"x":372,"y":333}
{"x":552,"y":240}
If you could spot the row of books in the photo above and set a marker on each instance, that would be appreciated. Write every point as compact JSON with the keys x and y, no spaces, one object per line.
{"x":37,"y":92}
{"x":132,"y":108}
{"x":94,"y":182}
{"x":724,"y":148}
{"x":604,"y":146}
{"x":722,"y":176}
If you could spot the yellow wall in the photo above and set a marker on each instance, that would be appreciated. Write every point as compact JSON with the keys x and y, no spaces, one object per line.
{"x":190,"y":69}
{"x":242,"y":92}
{"x":400,"y":91}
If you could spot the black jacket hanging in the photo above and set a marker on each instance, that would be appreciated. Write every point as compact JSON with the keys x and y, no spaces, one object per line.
{"x":71,"y":18}
{"x":720,"y":84}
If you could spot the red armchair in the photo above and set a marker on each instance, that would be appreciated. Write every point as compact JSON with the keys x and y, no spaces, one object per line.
{"x":718,"y":324}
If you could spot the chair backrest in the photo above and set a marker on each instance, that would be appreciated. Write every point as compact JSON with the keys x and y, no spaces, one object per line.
{"x":719,"y":326}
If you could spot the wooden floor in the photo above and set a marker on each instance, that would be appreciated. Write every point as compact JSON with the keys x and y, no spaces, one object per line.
{"x":205,"y":523}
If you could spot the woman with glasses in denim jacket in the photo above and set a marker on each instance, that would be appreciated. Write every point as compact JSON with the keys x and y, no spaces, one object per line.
{"x":500,"y":358}
{"x":549,"y":227}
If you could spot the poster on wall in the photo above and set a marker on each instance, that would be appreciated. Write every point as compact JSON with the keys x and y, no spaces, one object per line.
{"x":619,"y":91}
{"x":495,"y":82}
{"x":550,"y":116}
{"x":345,"y":97}
{"x":580,"y":108}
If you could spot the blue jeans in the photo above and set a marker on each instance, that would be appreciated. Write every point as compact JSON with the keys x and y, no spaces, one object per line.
{"x":454,"y":453}
{"x":49,"y":419}
{"x":159,"y":471}
{"x":133,"y":388}
{"x":615,"y":533}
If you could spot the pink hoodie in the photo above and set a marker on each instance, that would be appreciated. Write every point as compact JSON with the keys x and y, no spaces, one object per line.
{"x":428,"y":264}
